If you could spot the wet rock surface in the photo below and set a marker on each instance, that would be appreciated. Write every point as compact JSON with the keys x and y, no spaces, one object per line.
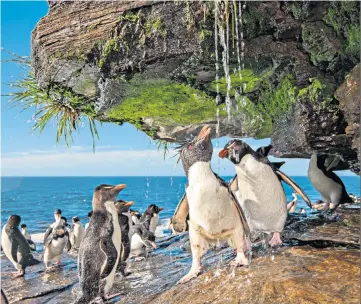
{"x":319,"y":263}
{"x":152,"y":64}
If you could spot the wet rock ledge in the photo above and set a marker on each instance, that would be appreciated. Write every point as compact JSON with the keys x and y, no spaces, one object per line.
{"x":319,"y":263}
{"x":153,"y":64}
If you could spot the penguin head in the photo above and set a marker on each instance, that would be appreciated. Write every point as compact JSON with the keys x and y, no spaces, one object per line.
{"x":75,"y":219}
{"x":235,"y":150}
{"x":135,"y":213}
{"x":153,"y":209}
{"x":264,"y":150}
{"x":123,"y":206}
{"x":104,"y":193}
{"x":200,"y":149}
{"x":14,"y":220}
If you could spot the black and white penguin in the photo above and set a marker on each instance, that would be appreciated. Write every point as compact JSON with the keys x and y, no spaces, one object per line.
{"x":76,"y":233}
{"x":330,"y":186}
{"x":292,"y":204}
{"x":15,"y":246}
{"x":135,"y":216}
{"x":126,"y":227}
{"x":142,"y":239}
{"x":260,"y":193}
{"x":150,"y":217}
{"x":214,"y":212}
{"x":101,"y":248}
{"x":55,"y":244}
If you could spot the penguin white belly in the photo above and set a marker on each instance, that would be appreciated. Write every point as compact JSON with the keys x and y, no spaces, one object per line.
{"x":154,"y":223}
{"x":78,"y":235}
{"x":210,"y":205}
{"x":135,"y":220}
{"x":6,"y":244}
{"x":329,"y":190}
{"x":137,"y":244}
{"x":261,"y":195}
{"x":55,"y":248}
{"x":117,"y":241}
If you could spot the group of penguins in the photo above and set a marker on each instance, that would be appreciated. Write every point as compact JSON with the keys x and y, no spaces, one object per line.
{"x":212,"y":210}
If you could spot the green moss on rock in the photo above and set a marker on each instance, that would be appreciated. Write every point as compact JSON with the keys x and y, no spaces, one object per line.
{"x":246,"y":80}
{"x":353,"y":39}
{"x":165,"y":101}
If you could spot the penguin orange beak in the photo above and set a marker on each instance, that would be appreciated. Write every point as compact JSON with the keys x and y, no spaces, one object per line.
{"x":131,"y":203}
{"x":119,"y":187}
{"x":160,"y":208}
{"x":223,"y":153}
{"x":204,"y":133}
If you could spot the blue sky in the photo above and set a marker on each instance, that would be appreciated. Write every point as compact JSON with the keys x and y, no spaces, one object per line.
{"x":121,"y":150}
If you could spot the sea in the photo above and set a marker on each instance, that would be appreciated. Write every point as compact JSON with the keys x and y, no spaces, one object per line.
{"x":36,"y":198}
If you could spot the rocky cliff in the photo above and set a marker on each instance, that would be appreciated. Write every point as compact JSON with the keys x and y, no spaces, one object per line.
{"x":285,"y":70}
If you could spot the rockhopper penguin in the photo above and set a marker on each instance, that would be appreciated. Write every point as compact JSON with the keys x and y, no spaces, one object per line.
{"x":331,"y":187}
{"x":260,"y":193}
{"x":126,"y":227}
{"x":214,"y":212}
{"x":101,"y":248}
{"x":15,"y":246}
{"x":77,"y":233}
{"x":150,"y":217}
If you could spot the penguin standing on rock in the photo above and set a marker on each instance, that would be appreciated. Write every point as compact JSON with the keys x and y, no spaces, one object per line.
{"x":214,"y":212}
{"x":150,"y":217}
{"x":15,"y":246}
{"x":126,"y":227}
{"x":55,"y":244}
{"x":101,"y":249}
{"x":326,"y":182}
{"x":260,"y":193}
{"x":77,"y":233}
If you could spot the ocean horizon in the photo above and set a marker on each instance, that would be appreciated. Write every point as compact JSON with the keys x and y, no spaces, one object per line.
{"x":35,"y":198}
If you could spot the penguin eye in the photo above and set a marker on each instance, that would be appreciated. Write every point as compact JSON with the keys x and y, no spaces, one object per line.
{"x":236,"y":148}
{"x":190,"y":147}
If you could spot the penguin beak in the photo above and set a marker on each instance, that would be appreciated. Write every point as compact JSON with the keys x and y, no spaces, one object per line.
{"x":160,"y":208}
{"x":223,"y":153}
{"x":129,"y":204}
{"x":154,"y":245}
{"x":119,"y":188}
{"x":204,"y":133}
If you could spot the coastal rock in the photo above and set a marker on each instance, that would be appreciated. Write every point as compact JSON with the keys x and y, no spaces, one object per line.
{"x":325,"y":266}
{"x":290,"y":275}
{"x":152,"y":64}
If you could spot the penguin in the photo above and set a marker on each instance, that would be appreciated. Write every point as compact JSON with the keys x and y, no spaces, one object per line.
{"x":214,"y":212}
{"x":126,"y":227}
{"x":77,"y":233}
{"x":90,"y":213}
{"x":150,"y":217}
{"x":291,"y":206}
{"x":55,"y":244}
{"x":327,"y":183}
{"x":179,"y":221}
{"x":59,"y":220}
{"x":101,"y":248}
{"x":260,"y":190}
{"x":15,"y":246}
{"x":142,"y":239}
{"x":135,"y":216}
{"x":26,"y":234}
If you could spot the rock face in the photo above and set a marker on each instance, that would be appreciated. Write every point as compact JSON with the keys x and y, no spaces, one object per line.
{"x":154,"y":64}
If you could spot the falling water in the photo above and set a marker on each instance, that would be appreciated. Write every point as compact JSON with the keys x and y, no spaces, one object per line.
{"x":216,"y":12}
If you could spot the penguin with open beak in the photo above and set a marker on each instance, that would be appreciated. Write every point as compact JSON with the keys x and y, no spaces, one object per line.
{"x":260,"y":190}
{"x":101,"y":249}
{"x":126,"y":227}
{"x":214,"y":212}
{"x":327,"y":183}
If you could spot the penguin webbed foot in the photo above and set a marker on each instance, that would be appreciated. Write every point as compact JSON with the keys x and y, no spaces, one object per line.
{"x":275,"y":240}
{"x":18,"y":274}
{"x":189,"y":276}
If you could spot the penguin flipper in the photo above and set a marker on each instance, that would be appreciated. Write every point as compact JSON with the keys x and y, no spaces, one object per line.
{"x":47,"y":233}
{"x":234,"y":184}
{"x":179,"y":219}
{"x":246,"y":228}
{"x":289,"y":181}
{"x":278,"y":165}
{"x":110,"y":257}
